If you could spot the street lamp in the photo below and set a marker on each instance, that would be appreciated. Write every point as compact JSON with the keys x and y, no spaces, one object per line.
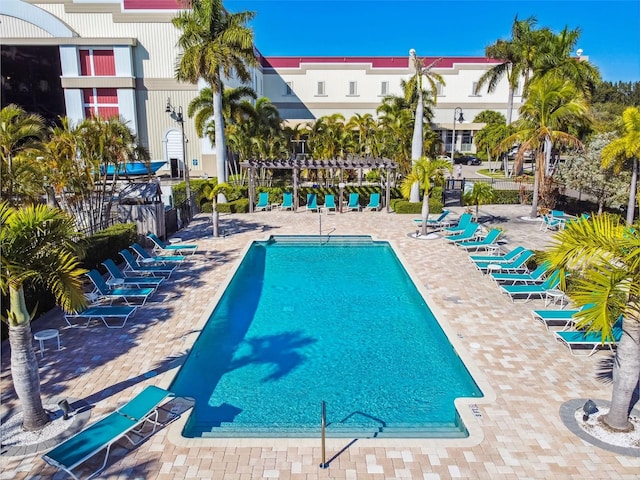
{"x":179,"y":118}
{"x":457,"y":114}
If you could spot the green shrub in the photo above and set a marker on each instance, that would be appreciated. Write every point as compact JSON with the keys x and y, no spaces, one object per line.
{"x":108,"y":242}
{"x":404,"y":206}
{"x":237,"y":206}
{"x":506,"y":197}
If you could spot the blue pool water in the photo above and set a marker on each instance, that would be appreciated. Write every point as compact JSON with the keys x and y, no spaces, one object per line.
{"x":307,"y":319}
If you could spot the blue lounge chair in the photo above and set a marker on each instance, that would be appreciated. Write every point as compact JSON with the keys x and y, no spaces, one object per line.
{"x":555,"y":318}
{"x":263,"y":202}
{"x":507,"y":257}
{"x":312,"y":202}
{"x":287,"y":201}
{"x":469,"y":233}
{"x":354,"y":202}
{"x":144,"y":256}
{"x":127,"y":421}
{"x":102,"y":289}
{"x":163,"y":248}
{"x":330,"y":202}
{"x":580,"y":341}
{"x":490,"y":239}
{"x":529,"y":291}
{"x":550,"y":223}
{"x":374,"y":202}
{"x":536,"y":276}
{"x":153,"y":270}
{"x":103,"y":312}
{"x":139,"y":282}
{"x":433,"y":222}
{"x":517,"y":264}
{"x":463,"y":222}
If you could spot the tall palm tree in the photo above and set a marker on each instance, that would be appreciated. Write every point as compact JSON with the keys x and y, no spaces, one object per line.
{"x":426,"y":172}
{"x":557,"y":58}
{"x":551,"y":105}
{"x":605,"y":254}
{"x":516,"y":57}
{"x":624,"y":150}
{"x":214,"y":43}
{"x":37,"y":247}
{"x":21,"y":134}
{"x":396,"y":123}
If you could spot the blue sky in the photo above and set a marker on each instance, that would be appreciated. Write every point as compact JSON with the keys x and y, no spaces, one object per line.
{"x":610,"y":29}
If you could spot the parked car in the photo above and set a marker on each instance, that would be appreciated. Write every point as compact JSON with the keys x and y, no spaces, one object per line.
{"x":467,"y":160}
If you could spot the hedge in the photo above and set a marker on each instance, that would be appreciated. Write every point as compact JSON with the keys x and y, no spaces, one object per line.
{"x":108,"y":242}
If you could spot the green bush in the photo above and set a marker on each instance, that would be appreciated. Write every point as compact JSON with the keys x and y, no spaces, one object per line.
{"x":506,"y":197}
{"x":237,"y":206}
{"x":108,"y":242}
{"x":404,"y":206}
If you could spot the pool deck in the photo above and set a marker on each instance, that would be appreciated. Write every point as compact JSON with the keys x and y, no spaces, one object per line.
{"x":517,"y":430}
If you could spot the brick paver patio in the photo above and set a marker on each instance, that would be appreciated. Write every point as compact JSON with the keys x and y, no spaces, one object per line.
{"x":525,"y":374}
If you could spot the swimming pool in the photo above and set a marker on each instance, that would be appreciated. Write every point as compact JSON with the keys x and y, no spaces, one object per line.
{"x":307,"y":319}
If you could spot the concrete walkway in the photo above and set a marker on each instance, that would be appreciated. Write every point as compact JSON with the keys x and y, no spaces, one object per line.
{"x":526,"y":375}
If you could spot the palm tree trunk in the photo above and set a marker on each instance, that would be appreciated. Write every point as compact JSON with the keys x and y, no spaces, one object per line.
{"x":536,"y":187}
{"x":631,"y":206}
{"x":24,"y":365}
{"x":218,"y":120}
{"x":510,"y":104}
{"x":425,"y":213}
{"x":416,"y":142}
{"x":626,"y":371}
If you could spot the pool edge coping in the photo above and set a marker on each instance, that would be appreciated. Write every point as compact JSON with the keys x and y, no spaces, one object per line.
{"x":464,"y":405}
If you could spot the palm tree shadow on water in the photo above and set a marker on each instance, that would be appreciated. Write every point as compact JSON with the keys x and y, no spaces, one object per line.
{"x":223,"y":347}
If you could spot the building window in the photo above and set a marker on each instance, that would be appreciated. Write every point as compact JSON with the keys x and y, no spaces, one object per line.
{"x":288,"y":89}
{"x":516,"y":90}
{"x":384,"y":88}
{"x":100,"y":102}
{"x":321,"y":90}
{"x":467,"y":141}
{"x":353,"y":88}
{"x":97,"y":63}
{"x":474,"y":86}
{"x":439,"y":90}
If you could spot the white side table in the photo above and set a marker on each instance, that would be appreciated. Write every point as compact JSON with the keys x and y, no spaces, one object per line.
{"x":492,"y":250}
{"x":553,"y":297}
{"x":493,"y":267}
{"x":47,"y":335}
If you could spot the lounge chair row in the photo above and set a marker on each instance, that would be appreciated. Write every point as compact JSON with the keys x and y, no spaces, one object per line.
{"x":140,"y":279}
{"x":509,"y":272}
{"x":312,"y":202}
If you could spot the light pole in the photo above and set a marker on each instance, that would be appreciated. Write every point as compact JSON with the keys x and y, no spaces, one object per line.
{"x":457,"y":114}
{"x":178,"y":117}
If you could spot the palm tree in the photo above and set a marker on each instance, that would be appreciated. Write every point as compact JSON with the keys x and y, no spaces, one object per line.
{"x":37,"y":248}
{"x":425,"y":172}
{"x":605,"y":254}
{"x":558,"y":60}
{"x":516,"y":56}
{"x":480,"y":194}
{"x":201,"y":108}
{"x":21,"y":134}
{"x":551,"y":105}
{"x":624,"y":150}
{"x":364,"y":127}
{"x":210,"y":192}
{"x":215,"y":43}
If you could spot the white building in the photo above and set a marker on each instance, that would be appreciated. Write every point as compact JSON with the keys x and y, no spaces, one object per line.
{"x":82,"y":57}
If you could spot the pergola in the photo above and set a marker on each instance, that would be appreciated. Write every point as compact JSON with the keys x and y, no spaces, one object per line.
{"x":294,"y":164}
